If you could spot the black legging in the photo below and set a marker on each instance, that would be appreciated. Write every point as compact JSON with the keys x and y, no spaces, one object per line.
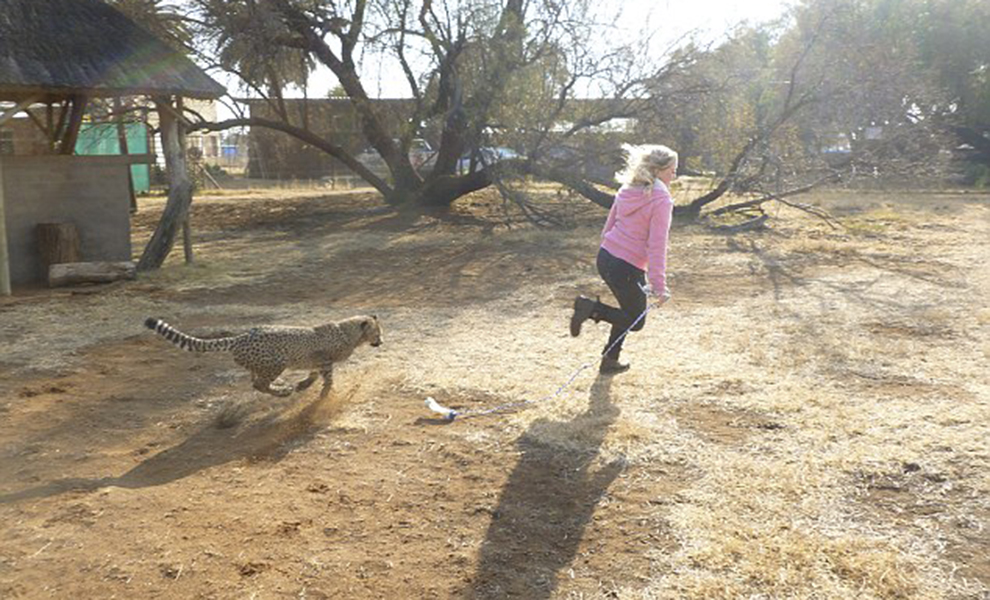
{"x":624,"y":280}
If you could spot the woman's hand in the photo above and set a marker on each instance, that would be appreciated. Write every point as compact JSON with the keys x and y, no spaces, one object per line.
{"x":660,"y":297}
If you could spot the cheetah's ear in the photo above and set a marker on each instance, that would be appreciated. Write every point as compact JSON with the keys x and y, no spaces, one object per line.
{"x":366,"y":324}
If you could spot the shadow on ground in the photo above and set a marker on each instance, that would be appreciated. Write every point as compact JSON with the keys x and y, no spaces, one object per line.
{"x":357,"y":251}
{"x":267,"y":438}
{"x":548,"y":501}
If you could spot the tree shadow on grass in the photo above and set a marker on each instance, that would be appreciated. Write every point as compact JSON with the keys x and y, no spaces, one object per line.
{"x":377,"y":255}
{"x":786,"y":270}
{"x":548,"y":501}
{"x":267,"y":438}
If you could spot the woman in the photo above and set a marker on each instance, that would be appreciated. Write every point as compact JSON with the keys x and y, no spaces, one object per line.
{"x":634,"y":245}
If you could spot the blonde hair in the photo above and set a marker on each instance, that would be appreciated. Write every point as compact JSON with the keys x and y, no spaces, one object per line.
{"x":642,"y":162}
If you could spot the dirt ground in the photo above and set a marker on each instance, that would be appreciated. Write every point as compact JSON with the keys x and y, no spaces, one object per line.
{"x":809,"y":416}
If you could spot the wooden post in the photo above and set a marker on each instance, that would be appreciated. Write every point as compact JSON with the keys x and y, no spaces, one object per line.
{"x":59,"y":129}
{"x":187,"y":241}
{"x":4,"y":257}
{"x":122,"y":141}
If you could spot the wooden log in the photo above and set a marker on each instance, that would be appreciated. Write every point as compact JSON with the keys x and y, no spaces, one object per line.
{"x":750,"y":225}
{"x":90,"y":272}
{"x":58,"y":243}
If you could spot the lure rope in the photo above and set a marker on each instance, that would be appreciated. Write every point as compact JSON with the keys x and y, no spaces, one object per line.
{"x":451,"y":414}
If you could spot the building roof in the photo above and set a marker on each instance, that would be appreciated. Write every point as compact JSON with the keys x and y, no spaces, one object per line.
{"x":65,"y":47}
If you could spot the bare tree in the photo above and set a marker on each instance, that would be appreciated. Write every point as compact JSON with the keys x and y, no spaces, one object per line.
{"x":479,"y":73}
{"x":180,"y":189}
{"x":834,"y":71}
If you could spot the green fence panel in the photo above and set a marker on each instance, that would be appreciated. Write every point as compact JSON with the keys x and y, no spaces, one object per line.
{"x":100,"y":139}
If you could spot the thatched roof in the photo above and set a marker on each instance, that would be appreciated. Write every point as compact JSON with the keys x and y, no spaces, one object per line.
{"x":63,"y":47}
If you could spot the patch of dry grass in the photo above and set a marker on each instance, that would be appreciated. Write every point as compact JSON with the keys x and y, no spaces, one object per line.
{"x":782,"y":407}
{"x":778,"y":514}
{"x":824,"y":247}
{"x":883,"y":219}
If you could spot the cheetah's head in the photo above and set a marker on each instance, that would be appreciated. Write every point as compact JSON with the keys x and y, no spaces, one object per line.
{"x":371,"y":330}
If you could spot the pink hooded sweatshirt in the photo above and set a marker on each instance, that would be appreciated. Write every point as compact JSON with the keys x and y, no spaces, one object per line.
{"x":637,"y":227}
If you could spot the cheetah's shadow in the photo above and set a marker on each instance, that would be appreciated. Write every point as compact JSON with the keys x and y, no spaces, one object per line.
{"x":266,"y":438}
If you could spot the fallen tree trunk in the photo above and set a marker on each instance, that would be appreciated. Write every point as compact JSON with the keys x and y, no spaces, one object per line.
{"x":90,"y":272}
{"x":757,"y":222}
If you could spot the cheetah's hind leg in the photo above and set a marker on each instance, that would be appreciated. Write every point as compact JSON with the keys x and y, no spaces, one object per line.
{"x":327,"y":372}
{"x":263,"y":383}
{"x":309,"y":381}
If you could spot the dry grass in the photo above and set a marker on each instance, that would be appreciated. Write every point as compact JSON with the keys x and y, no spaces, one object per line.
{"x":857,"y":369}
{"x":820,"y":397}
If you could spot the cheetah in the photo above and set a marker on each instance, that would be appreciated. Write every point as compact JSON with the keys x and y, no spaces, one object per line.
{"x":267,"y":351}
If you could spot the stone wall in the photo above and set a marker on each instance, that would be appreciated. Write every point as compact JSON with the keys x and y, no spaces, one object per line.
{"x":88,"y":191}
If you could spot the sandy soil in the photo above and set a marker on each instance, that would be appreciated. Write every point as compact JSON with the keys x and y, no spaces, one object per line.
{"x":808,"y":418}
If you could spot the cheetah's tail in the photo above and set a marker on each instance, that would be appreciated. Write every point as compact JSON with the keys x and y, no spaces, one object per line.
{"x":185,"y":341}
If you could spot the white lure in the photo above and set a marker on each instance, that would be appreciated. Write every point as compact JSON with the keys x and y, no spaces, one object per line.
{"x":448,"y":413}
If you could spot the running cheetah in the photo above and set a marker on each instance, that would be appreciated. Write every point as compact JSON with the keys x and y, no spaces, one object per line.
{"x":267,"y":351}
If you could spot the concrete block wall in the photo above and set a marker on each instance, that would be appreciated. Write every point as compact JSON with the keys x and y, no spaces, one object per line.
{"x":89,"y":191}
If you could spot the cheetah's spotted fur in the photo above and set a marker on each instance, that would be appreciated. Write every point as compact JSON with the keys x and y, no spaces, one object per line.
{"x":267,"y":351}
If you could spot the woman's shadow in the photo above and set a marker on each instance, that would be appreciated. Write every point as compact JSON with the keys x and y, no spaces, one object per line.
{"x":547,"y":503}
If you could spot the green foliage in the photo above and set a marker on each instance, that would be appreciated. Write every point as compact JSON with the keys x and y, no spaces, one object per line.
{"x":954,"y":44}
{"x":161,"y":18}
{"x":251,"y":39}
{"x":978,"y":176}
{"x":888,"y":76}
{"x":215,"y":170}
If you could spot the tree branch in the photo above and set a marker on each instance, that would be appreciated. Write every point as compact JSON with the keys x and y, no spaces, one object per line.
{"x":767,"y":197}
{"x":306,"y":136}
{"x":567,"y":178}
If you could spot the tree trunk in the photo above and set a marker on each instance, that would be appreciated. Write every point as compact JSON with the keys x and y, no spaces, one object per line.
{"x":90,"y":272}
{"x":444,"y":190}
{"x":179,"y":188}
{"x":58,"y":243}
{"x":573,"y":181}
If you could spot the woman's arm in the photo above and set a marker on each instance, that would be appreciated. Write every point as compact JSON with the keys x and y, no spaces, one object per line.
{"x":610,"y":221}
{"x":656,"y":244}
